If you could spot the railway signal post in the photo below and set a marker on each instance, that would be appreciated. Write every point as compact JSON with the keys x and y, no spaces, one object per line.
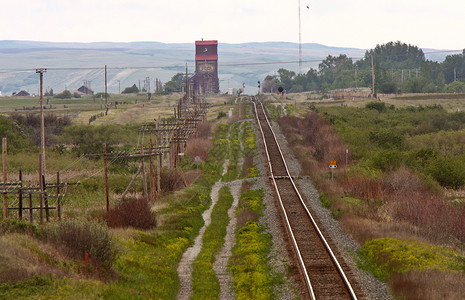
{"x":332,"y":166}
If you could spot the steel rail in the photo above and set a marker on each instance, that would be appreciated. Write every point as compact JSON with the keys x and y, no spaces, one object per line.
{"x":308,"y":284}
{"x":294,"y":242}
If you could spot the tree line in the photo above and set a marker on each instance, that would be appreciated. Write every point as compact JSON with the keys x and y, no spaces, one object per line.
{"x":397,"y":68}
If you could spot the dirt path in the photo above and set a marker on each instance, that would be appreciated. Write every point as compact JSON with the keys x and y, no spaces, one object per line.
{"x":220,"y":266}
{"x":185,"y":265}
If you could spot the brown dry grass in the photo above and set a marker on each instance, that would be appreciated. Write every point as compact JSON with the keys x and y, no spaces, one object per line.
{"x":248,"y":163}
{"x":23,"y":257}
{"x":398,"y":205}
{"x":198,"y":147}
{"x":135,"y":213}
{"x":418,"y":285}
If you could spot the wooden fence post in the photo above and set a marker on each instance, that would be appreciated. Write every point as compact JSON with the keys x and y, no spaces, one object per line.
{"x":47,"y":212}
{"x":5,"y":199}
{"x":31,"y":213}
{"x":106,"y":178}
{"x":152,"y":172}
{"x":20,"y":195}
{"x":160,"y":156}
{"x":144,"y":178}
{"x":58,"y":197}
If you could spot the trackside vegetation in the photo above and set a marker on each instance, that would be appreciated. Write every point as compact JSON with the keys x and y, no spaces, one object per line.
{"x":205,"y":284}
{"x":396,"y":190}
{"x":252,"y":276}
{"x":387,"y":256}
{"x":124,"y":262}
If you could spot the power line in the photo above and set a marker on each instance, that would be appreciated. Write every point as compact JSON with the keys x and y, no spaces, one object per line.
{"x":251,"y":63}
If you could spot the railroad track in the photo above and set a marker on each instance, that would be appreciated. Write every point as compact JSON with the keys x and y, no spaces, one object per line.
{"x":321,"y":271}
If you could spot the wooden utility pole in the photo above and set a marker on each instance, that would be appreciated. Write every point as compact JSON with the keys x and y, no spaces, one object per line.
{"x":106,"y":178}
{"x":152,"y":173}
{"x":41,"y":215}
{"x":373,"y":75}
{"x":5,"y":199}
{"x":106,"y":86}
{"x":159,"y":164}
{"x":144,"y":178}
{"x":42,"y":126}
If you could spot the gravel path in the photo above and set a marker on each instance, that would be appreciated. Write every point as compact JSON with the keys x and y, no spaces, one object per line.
{"x":185,"y":264}
{"x":220,"y":266}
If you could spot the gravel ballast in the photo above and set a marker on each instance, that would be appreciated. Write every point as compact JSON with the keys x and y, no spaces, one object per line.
{"x":371,"y":287}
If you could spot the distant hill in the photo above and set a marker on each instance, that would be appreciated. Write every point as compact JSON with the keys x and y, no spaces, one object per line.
{"x":69,"y":64}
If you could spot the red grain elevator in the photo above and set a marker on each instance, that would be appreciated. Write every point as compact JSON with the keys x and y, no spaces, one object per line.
{"x":206,"y":67}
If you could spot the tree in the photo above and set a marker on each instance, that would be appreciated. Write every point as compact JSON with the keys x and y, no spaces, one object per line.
{"x":176,"y":83}
{"x":172,"y":86}
{"x":332,"y":65}
{"x":396,"y":55}
{"x":129,"y":90}
{"x":418,"y":85}
{"x":455,"y":87}
{"x":270,"y":85}
{"x":64,"y":95}
{"x":285,"y":78}
{"x":454,"y":67}
{"x":179,"y":78}
{"x":344,"y":79}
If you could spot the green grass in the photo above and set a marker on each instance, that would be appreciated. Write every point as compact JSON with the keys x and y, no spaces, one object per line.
{"x":431,"y":96}
{"x":234,"y":153}
{"x":251,"y":200}
{"x":205,"y":284}
{"x":147,"y":267}
{"x":387,"y":256}
{"x":420,"y":138}
{"x":252,"y":275}
{"x":249,"y":141}
{"x":146,"y":262}
{"x":53,"y":288}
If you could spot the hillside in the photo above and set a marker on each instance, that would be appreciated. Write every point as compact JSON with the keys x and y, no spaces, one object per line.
{"x":69,"y":64}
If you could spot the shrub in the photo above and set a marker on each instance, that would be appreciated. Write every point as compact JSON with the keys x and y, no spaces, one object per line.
{"x":252,"y":279}
{"x":447,"y":171}
{"x":135,"y":212}
{"x":204,"y":129}
{"x":198,"y":147}
{"x":129,"y":90}
{"x":386,"y":138}
{"x":387,"y":256}
{"x":64,"y":95}
{"x":80,"y":237}
{"x":16,"y":139}
{"x":221,"y":114}
{"x":386,"y":160}
{"x":376,"y":105}
{"x":13,"y":225}
{"x":171,"y":180}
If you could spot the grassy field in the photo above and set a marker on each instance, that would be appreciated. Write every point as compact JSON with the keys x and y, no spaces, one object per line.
{"x":393,"y":197}
{"x":152,"y":238}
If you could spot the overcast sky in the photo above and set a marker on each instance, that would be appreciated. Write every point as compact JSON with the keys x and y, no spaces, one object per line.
{"x":355,"y":23}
